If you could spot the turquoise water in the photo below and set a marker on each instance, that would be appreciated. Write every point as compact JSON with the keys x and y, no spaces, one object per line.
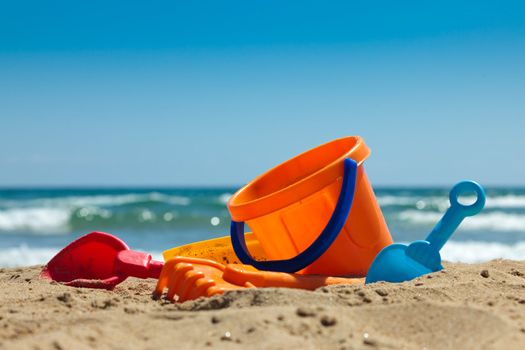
{"x":36,"y":223}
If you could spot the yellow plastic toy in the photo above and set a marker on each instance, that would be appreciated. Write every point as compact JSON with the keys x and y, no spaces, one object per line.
{"x":216,"y":249}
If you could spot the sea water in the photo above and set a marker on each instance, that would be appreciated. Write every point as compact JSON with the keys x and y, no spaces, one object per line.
{"x":36,"y":223}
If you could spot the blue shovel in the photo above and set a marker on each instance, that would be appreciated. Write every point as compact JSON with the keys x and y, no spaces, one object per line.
{"x":398,"y":262}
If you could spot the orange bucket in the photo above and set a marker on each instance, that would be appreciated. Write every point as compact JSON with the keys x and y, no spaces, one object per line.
{"x":315,"y":213}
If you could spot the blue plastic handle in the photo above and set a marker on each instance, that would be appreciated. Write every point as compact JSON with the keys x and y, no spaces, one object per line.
{"x":456,"y":213}
{"x":322,"y":242}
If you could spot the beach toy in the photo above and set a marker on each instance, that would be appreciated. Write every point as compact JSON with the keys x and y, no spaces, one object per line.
{"x":315,"y":213}
{"x":217,"y":249}
{"x":398,"y":262}
{"x":239,"y":274}
{"x":190,"y":278}
{"x":99,"y":260}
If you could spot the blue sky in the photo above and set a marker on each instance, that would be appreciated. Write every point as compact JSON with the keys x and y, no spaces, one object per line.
{"x":214,"y":93}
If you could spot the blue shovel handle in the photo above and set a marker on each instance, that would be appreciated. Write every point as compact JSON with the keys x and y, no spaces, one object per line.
{"x":322,"y":242}
{"x":456,"y":213}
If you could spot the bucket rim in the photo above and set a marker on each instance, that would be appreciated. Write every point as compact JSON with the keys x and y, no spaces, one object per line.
{"x":243,"y":206}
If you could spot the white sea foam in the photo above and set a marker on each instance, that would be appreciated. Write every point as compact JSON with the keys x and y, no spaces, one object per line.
{"x":474,"y":251}
{"x":54,"y":220}
{"x":99,"y":200}
{"x":496,"y":220}
{"x":396,"y":200}
{"x":52,"y":215}
{"x":419,"y":217}
{"x":442,"y":202}
{"x":27,"y":256}
{"x":508,"y":201}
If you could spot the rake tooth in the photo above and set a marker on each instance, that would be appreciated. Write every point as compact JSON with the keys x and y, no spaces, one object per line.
{"x":164,"y":276}
{"x":188,"y":284}
{"x":201,"y":287}
{"x":189,"y":278}
{"x":171,"y":294}
{"x":213,"y":290}
{"x":176,"y":278}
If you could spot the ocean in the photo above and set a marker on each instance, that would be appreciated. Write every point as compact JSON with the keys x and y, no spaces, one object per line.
{"x":36,"y":223}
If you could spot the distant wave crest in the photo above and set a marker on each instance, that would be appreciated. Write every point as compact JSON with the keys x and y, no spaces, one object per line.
{"x":508,"y":201}
{"x":99,"y":200}
{"x":61,"y":214}
{"x":496,"y":220}
{"x":54,"y":220}
{"x":474,"y":251}
{"x":442,"y":202}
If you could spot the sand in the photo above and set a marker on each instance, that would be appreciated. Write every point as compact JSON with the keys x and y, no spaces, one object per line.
{"x":463,"y":307}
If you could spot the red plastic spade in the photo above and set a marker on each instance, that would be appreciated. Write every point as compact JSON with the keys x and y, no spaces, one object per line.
{"x":99,"y":260}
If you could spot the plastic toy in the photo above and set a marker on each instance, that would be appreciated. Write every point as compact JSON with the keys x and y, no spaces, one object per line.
{"x":322,"y":190}
{"x":239,"y":274}
{"x":217,"y":249}
{"x":398,"y":262}
{"x":315,"y":213}
{"x":99,"y":260}
{"x":190,"y":278}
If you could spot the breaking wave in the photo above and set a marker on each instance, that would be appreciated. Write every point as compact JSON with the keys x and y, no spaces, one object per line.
{"x":62,"y":214}
{"x":54,"y":220}
{"x":442,"y":202}
{"x":494,"y":221}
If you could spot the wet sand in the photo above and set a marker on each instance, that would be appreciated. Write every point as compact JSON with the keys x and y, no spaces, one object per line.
{"x":479,"y":306}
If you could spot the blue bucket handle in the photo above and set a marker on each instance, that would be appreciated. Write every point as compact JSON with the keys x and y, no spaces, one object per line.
{"x":321,"y":243}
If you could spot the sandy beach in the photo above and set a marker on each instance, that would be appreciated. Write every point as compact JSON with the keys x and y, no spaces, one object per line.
{"x":478,"y":306}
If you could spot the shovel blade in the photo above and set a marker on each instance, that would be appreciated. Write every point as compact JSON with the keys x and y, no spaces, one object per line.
{"x":392,"y":264}
{"x":89,"y":258}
